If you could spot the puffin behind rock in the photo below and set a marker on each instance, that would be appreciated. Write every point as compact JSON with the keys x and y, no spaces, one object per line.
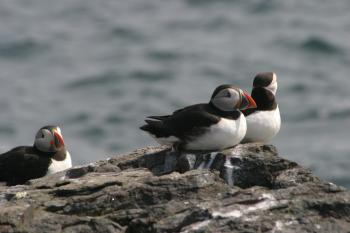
{"x":48,"y":155}
{"x":263,"y":122}
{"x":216,"y":125}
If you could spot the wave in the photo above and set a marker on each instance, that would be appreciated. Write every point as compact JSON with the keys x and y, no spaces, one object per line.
{"x":163,"y":55}
{"x":102,"y":79}
{"x":264,"y":7}
{"x":312,"y":45}
{"x":254,"y":7}
{"x":127,"y":34}
{"x":21,"y":48}
{"x":80,"y":117}
{"x":316,"y":44}
{"x":7,"y":130}
{"x":114,"y":119}
{"x":110,"y":77}
{"x":339,"y":114}
{"x":298,"y":88}
{"x":149,"y":75}
{"x":321,"y":114}
{"x":209,"y":2}
{"x":93,"y":132}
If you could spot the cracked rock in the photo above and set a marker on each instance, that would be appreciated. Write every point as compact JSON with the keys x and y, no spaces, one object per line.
{"x":249,"y":188}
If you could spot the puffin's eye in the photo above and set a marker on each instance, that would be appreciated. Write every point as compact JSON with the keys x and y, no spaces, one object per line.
{"x":224,"y":94}
{"x":42,"y":135}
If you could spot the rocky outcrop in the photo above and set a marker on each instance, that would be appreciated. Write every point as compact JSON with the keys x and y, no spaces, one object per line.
{"x":245,"y":189}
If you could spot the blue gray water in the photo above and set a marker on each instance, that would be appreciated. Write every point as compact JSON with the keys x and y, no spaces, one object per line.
{"x":97,"y":68}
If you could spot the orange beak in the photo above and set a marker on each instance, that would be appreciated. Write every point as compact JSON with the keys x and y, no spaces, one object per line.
{"x":251,"y":102}
{"x":59,"y":137}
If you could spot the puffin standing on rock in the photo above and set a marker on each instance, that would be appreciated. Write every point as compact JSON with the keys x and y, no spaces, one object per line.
{"x":48,"y":155}
{"x":216,"y":125}
{"x":263,"y":122}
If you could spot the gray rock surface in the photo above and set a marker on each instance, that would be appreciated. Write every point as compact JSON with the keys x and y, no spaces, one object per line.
{"x":245,"y":189}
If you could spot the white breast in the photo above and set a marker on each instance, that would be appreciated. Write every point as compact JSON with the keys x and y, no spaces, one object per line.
{"x":57,"y":166}
{"x":226,"y":133}
{"x":262,"y":126}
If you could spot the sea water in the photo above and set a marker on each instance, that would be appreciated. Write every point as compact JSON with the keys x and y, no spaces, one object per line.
{"x":97,"y":68}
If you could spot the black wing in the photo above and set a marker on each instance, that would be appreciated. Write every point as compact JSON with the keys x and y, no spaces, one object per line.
{"x":164,"y":117}
{"x":182,"y":123}
{"x":22,"y":164}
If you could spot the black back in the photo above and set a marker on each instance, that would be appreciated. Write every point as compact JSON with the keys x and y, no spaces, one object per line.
{"x":22,"y":164}
{"x":187,"y":122}
{"x":264,"y":99}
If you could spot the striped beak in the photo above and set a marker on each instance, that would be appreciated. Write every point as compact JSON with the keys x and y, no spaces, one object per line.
{"x":59,"y":142}
{"x":247,"y":101}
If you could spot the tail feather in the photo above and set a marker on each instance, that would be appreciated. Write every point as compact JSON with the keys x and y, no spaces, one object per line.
{"x":152,"y":122}
{"x":160,"y":118}
{"x":156,"y":128}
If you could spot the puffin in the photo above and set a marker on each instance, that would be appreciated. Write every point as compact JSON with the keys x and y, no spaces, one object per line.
{"x":48,"y":155}
{"x":263,"y":122}
{"x":211,"y":126}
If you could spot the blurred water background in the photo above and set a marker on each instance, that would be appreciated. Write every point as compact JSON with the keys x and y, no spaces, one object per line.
{"x":97,"y":68}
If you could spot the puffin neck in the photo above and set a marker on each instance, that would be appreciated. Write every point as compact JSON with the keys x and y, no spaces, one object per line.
{"x":234,"y":114}
{"x":265,"y":99}
{"x":58,"y":155}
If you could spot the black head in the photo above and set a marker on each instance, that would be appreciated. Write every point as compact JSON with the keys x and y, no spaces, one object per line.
{"x":266,"y":80}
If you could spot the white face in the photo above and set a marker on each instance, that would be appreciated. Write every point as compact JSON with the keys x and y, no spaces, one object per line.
{"x":227,"y":99}
{"x":43,"y":140}
{"x":46,"y":141}
{"x":273,"y":86}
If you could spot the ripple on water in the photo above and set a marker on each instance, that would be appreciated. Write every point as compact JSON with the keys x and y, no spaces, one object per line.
{"x":298,"y":88}
{"x":113,"y":147}
{"x":116,"y":91}
{"x":93,"y":132}
{"x":208,"y":2}
{"x":318,"y":114}
{"x":320,"y":45}
{"x":127,"y":33}
{"x":7,"y":130}
{"x":262,"y":7}
{"x":339,"y":114}
{"x":149,"y":92}
{"x":212,"y":72}
{"x":21,"y":48}
{"x":309,"y":114}
{"x":153,"y":76}
{"x":163,"y":55}
{"x":80,"y":117}
{"x":114,"y":119}
{"x":102,"y":79}
{"x":312,"y":45}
